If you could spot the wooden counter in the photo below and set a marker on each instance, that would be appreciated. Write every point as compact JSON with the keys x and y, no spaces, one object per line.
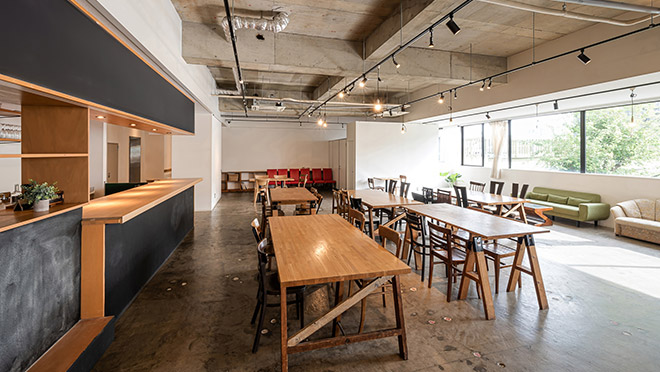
{"x":123,"y":206}
{"x":10,"y":219}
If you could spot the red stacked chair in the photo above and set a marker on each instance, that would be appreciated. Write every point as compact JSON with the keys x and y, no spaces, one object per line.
{"x":295,"y":174}
{"x":327,"y":176}
{"x":271,"y":174}
{"x":305,"y":172}
{"x":317,"y":176}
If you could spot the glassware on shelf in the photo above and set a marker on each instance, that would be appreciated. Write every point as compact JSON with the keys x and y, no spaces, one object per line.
{"x":10,"y":131}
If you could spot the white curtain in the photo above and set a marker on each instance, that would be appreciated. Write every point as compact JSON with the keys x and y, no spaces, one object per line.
{"x":499,"y":133}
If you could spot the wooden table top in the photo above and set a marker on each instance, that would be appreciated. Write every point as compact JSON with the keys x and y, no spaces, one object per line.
{"x":325,"y":248}
{"x":485,"y":225}
{"x":486,"y":198}
{"x":291,"y":195}
{"x":538,"y":207}
{"x":381,"y":199}
{"x":387,"y":178}
{"x":11,"y":220}
{"x":124,"y":205}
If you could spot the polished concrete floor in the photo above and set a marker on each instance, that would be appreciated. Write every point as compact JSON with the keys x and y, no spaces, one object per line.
{"x":604,"y":296}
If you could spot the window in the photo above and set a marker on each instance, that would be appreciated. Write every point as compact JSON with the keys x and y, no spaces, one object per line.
{"x":615,"y":144}
{"x":549,"y":142}
{"x":489,"y":130}
{"x":473,"y":145}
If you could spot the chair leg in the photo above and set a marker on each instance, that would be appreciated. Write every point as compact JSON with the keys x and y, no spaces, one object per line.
{"x":384,"y":297}
{"x":431,"y":270}
{"x":450,"y":275}
{"x":363,"y":313}
{"x":421,"y":277}
{"x":298,"y":305}
{"x":257,"y":336}
{"x":256,"y":311}
{"x":302,"y":310}
{"x":497,"y":274}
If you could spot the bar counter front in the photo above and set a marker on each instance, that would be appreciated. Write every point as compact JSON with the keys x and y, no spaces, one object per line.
{"x":66,"y":274}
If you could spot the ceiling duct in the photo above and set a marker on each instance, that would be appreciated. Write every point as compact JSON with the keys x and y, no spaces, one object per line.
{"x":262,"y":105}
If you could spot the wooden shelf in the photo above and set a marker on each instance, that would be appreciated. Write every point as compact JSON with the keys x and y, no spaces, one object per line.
{"x":235,"y":178}
{"x":11,"y":220}
{"x":41,"y":156}
{"x":9,"y":140}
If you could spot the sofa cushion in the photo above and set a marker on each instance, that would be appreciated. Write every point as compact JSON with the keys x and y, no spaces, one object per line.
{"x":552,"y":198}
{"x":630,"y":208}
{"x":536,"y":196}
{"x":576,"y":201}
{"x":592,"y":198}
{"x":639,"y":223}
{"x":646,"y":208}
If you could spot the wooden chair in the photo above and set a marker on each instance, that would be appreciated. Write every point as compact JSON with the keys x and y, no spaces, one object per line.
{"x":319,"y":198}
{"x":391,"y":187}
{"x":477,"y":186}
{"x":372,"y":185}
{"x":267,"y":209}
{"x":442,"y":247}
{"x":335,"y":201}
{"x":461,"y":196}
{"x":415,"y":228}
{"x":344,"y":203}
{"x":260,"y":183}
{"x":443,"y":196}
{"x":403,"y":178}
{"x":386,"y":234}
{"x":269,"y":285}
{"x":427,"y":192}
{"x":356,"y":218}
{"x":496,"y":187}
{"x":403,"y":190}
{"x":523,"y":190}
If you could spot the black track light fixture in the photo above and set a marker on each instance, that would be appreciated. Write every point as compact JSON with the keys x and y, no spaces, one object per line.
{"x":556,"y":105}
{"x":363,"y":82}
{"x":455,"y":95}
{"x":583,"y":57}
{"x":431,"y":45}
{"x":397,"y":64}
{"x":441,"y":100}
{"x":483,"y":85}
{"x":490,"y":83}
{"x":487,"y":115}
{"x":453,"y":27}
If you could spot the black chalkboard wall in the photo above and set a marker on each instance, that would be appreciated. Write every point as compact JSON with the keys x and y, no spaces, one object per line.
{"x":136,"y":249}
{"x":39,"y":287}
{"x":53,"y":44}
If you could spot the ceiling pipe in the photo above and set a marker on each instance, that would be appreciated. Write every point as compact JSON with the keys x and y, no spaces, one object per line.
{"x":615,"y":5}
{"x":237,"y":70}
{"x":566,"y":14}
{"x":301,"y":101}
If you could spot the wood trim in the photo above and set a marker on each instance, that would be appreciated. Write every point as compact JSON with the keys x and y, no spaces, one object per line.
{"x":7,"y":215}
{"x":104,"y":27}
{"x":38,"y":156}
{"x":64,"y":353}
{"x":92,"y":271}
{"x":11,"y":112}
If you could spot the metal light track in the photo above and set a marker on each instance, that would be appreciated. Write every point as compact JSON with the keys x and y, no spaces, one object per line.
{"x":238,"y":65}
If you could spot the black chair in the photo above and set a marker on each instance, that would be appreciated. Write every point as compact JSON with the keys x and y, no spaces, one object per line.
{"x":427,"y":192}
{"x":269,"y":285}
{"x":477,"y":186}
{"x":391,"y":187}
{"x":356,"y":203}
{"x":523,"y":190}
{"x":403,"y":190}
{"x":496,"y":187}
{"x":418,"y":197}
{"x":461,"y":196}
{"x":415,"y":224}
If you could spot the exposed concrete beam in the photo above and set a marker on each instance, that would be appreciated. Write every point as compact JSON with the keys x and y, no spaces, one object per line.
{"x":225,"y":75}
{"x":299,"y":54}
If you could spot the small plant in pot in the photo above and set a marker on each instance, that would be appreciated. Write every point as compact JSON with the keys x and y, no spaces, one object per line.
{"x":39,"y":195}
{"x":451,"y":178}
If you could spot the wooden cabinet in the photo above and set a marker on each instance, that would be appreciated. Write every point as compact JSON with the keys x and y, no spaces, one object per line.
{"x":239,"y":181}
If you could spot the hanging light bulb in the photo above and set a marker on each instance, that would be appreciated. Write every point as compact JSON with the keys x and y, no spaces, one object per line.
{"x":483,"y":85}
{"x":441,"y":100}
{"x":378,"y":106}
{"x":341,"y":94}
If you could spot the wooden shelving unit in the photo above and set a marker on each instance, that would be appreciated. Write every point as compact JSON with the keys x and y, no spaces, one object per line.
{"x":239,"y":181}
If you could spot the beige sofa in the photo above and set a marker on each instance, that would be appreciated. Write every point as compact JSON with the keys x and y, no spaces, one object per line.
{"x":638,"y":219}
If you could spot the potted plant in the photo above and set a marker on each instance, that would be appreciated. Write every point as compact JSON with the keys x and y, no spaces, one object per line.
{"x":451,"y":178}
{"x":39,"y":195}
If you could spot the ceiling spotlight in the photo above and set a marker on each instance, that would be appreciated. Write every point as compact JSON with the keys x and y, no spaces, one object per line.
{"x":378,"y":106}
{"x":341,"y":94}
{"x":133,"y":124}
{"x":325,"y":124}
{"x":455,"y":95}
{"x":490,"y":83}
{"x":583,"y":57}
{"x":556,"y":105}
{"x":397,"y":64}
{"x":483,"y":85}
{"x":309,"y":115}
{"x":363,"y":82}
{"x":154,"y":129}
{"x":403,"y":128}
{"x":487,"y":116}
{"x":240,"y":81}
{"x":431,"y":39}
{"x":350,"y":89}
{"x":441,"y":100}
{"x":320,"y":121}
{"x":453,"y":27}
{"x":100,"y":117}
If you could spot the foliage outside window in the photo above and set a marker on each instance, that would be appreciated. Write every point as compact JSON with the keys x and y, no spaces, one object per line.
{"x":472,"y":145}
{"x":546,"y":143}
{"x":615,"y":144}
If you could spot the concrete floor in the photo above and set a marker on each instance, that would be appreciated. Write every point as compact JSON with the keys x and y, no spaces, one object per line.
{"x":604,"y":296}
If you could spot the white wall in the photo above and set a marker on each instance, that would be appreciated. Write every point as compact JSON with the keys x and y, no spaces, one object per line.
{"x":382,"y":151}
{"x":10,"y":168}
{"x":255,"y":146}
{"x":152,"y":152}
{"x":216,"y":161}
{"x":97,"y":156}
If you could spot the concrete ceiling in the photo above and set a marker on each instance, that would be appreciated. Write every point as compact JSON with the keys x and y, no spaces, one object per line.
{"x":321,"y":48}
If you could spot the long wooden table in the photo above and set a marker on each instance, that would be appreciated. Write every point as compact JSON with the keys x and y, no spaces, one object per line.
{"x":327,"y":249}
{"x":375,"y":199}
{"x":293,"y":195}
{"x":482,"y":199}
{"x":483,"y":226}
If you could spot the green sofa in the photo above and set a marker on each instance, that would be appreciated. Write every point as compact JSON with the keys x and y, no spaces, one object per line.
{"x":572,"y":205}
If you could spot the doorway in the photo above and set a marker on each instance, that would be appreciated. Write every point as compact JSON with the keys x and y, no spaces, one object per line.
{"x":134,"y":156}
{"x":113,"y":163}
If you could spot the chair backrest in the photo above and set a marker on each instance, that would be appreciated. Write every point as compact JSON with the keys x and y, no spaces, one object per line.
{"x":256,"y":230}
{"x":319,"y":200}
{"x":355,"y":216}
{"x":440,"y":238}
{"x":403,"y":178}
{"x":443,"y":196}
{"x":428,"y":194}
{"x":303,"y":180}
{"x":418,"y":197}
{"x":514,"y":189}
{"x":461,"y":196}
{"x":403,"y":189}
{"x":327,"y":174}
{"x":356,"y":203}
{"x":282,"y":172}
{"x":391,"y":187}
{"x":414,"y":222}
{"x":317,"y":175}
{"x":388,"y":234}
{"x":523,"y":190}
{"x":370,"y":182}
{"x":304,"y":171}
{"x":263,"y":261}
{"x":477,"y":186}
{"x":295,"y":174}
{"x":271,"y":173}
{"x":496,"y":187}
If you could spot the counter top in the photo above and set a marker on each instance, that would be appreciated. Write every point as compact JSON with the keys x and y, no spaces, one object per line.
{"x":122,"y":206}
{"x":10,"y":219}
